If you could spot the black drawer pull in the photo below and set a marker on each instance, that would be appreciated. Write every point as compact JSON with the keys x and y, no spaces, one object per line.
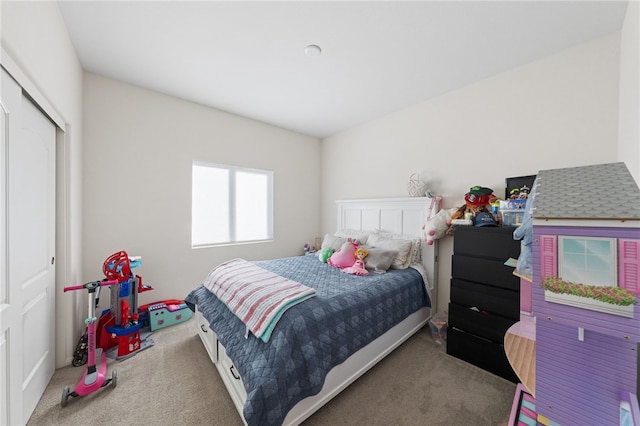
{"x":232,"y":369}
{"x":203,"y":329}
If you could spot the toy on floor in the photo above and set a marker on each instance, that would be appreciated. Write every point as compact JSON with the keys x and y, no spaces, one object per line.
{"x":162,"y":314}
{"x":81,"y":353}
{"x":119,"y":327}
{"x":95,"y":374}
{"x":123,"y":329}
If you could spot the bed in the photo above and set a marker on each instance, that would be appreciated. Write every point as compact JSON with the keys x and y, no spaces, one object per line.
{"x":322,"y":344}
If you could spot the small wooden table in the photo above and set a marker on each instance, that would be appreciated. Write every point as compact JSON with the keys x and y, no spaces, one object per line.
{"x":520,"y":347}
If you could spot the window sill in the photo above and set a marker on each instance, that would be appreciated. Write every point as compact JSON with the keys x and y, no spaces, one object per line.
{"x":238,"y":243}
{"x":591,"y":304}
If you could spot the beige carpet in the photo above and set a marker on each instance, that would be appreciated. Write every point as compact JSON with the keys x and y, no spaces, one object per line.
{"x":174,"y":382}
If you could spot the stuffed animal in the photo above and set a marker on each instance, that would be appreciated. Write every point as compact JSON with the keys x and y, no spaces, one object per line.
{"x":478,"y":199}
{"x":437,"y":226}
{"x":343,"y":258}
{"x":324,"y":254}
{"x":358,"y":266}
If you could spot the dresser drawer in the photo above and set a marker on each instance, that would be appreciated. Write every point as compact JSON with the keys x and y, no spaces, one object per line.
{"x":495,"y":300}
{"x":489,"y":326}
{"x":486,"y":271}
{"x":480,"y":352}
{"x":487,"y":242}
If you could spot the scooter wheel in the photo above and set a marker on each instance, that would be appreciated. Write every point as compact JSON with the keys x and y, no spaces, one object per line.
{"x":114,"y":378}
{"x":65,"y":396}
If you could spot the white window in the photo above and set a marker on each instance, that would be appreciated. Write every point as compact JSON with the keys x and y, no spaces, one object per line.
{"x":587,"y":260}
{"x":230,"y":204}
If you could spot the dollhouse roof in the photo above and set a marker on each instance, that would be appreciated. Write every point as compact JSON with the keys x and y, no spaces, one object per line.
{"x":601,"y":192}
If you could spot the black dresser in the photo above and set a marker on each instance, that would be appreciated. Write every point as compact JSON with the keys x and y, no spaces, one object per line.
{"x":484,"y":298}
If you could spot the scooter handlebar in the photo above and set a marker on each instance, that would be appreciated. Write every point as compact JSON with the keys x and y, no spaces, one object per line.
{"x":91,"y":285}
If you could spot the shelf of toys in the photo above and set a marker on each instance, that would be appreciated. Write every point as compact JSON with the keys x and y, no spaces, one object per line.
{"x":120,"y":328}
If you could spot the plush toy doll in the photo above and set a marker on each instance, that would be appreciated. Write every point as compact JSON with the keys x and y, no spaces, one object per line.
{"x":476,"y":200}
{"x":437,"y":226}
{"x":358,"y":266}
{"x":343,"y":258}
{"x":324,"y":254}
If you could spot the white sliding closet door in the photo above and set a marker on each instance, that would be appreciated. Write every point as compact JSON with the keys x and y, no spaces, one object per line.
{"x":27,"y":270}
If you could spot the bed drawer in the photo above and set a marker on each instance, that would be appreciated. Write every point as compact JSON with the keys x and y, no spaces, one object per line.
{"x":209,"y":338}
{"x":231,"y":377}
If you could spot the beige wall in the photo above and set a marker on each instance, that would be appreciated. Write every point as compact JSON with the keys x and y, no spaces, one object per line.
{"x":560,"y":111}
{"x":629,"y":143}
{"x":35,"y":39}
{"x":138,"y":151}
{"x":557,"y":112}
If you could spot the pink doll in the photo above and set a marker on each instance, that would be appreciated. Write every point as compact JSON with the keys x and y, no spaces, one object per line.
{"x":358,"y":266}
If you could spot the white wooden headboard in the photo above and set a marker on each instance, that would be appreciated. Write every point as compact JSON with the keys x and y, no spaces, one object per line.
{"x":406,"y":216}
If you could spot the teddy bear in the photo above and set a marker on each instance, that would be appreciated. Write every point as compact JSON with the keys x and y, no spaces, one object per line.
{"x":437,"y":226}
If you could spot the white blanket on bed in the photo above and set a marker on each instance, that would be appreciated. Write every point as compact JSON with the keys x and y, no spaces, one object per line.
{"x":256,"y":296}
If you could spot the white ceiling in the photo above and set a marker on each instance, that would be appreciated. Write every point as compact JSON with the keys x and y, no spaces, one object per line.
{"x":377,"y":57}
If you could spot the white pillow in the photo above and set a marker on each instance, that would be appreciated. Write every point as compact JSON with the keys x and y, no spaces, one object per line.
{"x":333,"y":242}
{"x":357,"y":235}
{"x":416,"y":253}
{"x":404,"y":247}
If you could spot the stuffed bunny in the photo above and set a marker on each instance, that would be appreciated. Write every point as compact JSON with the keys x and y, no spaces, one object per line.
{"x":437,"y":226}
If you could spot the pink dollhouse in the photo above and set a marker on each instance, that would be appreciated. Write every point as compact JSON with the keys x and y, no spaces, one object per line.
{"x":586,"y":240}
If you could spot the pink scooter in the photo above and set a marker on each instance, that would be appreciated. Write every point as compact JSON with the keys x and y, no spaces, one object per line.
{"x":95,"y":375}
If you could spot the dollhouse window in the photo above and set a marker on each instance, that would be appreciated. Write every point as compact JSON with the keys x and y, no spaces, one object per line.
{"x":588,"y":260}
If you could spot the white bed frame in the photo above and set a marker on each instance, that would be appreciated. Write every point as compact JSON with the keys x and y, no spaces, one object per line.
{"x":405,"y":216}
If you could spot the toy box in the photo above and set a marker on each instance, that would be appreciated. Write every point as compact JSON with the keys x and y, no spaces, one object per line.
{"x":164,"y":314}
{"x":512,"y":217}
{"x":512,"y":211}
{"x":438,"y":325}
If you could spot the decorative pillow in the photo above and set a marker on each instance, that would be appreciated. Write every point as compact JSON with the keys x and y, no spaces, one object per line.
{"x":333,"y":242}
{"x":379,"y":259}
{"x":416,"y":250}
{"x":403,"y":247}
{"x":357,"y":235}
{"x":344,"y":257}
